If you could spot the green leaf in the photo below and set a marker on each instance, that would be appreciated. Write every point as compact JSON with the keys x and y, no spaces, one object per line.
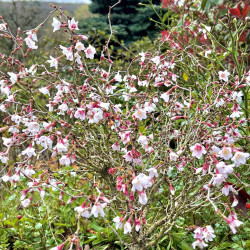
{"x":203,"y":4}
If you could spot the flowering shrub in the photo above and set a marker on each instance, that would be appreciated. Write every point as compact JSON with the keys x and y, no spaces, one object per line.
{"x":141,"y":148}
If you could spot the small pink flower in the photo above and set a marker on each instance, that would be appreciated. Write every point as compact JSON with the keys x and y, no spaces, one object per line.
{"x":233,"y":222}
{"x":90,"y":52}
{"x":137,"y":225}
{"x":198,"y":150}
{"x":73,"y":24}
{"x":116,"y":146}
{"x":127,"y":226}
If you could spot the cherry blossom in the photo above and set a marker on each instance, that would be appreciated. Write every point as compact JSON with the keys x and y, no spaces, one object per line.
{"x":223,"y":75}
{"x":233,"y":222}
{"x":240,"y":158}
{"x":127,"y":227}
{"x":90,"y":52}
{"x":30,"y":151}
{"x":53,"y":62}
{"x":226,"y":153}
{"x":198,"y":150}
{"x":118,"y":222}
{"x":140,"y":114}
{"x":97,"y":209}
{"x":73,"y":24}
{"x":56,"y":24}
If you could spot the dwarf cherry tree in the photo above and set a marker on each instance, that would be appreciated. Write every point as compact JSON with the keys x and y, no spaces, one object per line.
{"x":154,"y":141}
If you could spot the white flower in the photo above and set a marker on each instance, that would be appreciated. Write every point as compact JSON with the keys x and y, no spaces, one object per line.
{"x":56,"y":24}
{"x":149,"y":107}
{"x":53,"y":62}
{"x":198,"y":150}
{"x":143,"y":140}
{"x":225,"y":190}
{"x":240,"y":158}
{"x":2,"y":26}
{"x":79,"y":46}
{"x":5,"y":178}
{"x":127,"y":227}
{"x":67,"y":52}
{"x":156,"y":60}
{"x":98,"y":209}
{"x":118,"y":77}
{"x":26,"y":202}
{"x":118,"y":222}
{"x":30,"y":151}
{"x":63,"y":107}
{"x":80,"y":113}
{"x":208,"y":233}
{"x":233,"y":222}
{"x":6,"y":141}
{"x":173,"y":156}
{"x":199,"y":243}
{"x":141,"y":181}
{"x":33,"y":127}
{"x":13,"y":77}
{"x":65,"y":160}
{"x":61,"y":146}
{"x":73,"y":24}
{"x":165,"y":97}
{"x":143,"y":198}
{"x":116,"y":146}
{"x":237,"y":96}
{"x":30,"y":43}
{"x":45,"y":141}
{"x":224,"y":169}
{"x":140,"y":114}
{"x":28,"y":171}
{"x":218,"y":179}
{"x":3,"y":158}
{"x":152,"y":172}
{"x":223,"y":75}
{"x":90,"y":52}
{"x":104,"y":105}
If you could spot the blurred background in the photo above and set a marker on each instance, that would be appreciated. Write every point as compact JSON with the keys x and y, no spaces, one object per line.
{"x":130,"y":20}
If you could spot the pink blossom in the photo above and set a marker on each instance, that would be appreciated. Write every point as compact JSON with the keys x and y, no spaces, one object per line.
{"x":116,"y":146}
{"x":53,"y":62}
{"x":141,"y":181}
{"x":208,"y":233}
{"x":90,"y":52}
{"x":228,"y":187}
{"x":30,"y":151}
{"x":137,"y":225}
{"x":118,"y":222}
{"x":198,"y":150}
{"x":73,"y":24}
{"x":143,"y":197}
{"x":127,"y":227}
{"x":218,"y":179}
{"x":80,"y":113}
{"x":233,"y":222}
{"x":26,"y":202}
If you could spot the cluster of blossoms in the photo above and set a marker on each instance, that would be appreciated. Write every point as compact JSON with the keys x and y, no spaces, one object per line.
{"x":150,"y":135}
{"x":201,"y":234}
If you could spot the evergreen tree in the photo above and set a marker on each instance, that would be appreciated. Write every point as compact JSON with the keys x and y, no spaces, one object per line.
{"x":129,"y":20}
